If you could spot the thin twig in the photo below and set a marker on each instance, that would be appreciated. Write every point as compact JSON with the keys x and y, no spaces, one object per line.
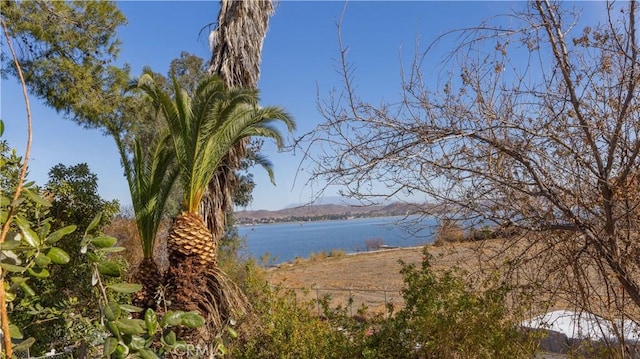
{"x":4,"y":318}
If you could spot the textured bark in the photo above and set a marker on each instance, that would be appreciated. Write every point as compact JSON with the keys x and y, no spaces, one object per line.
{"x":208,"y":291}
{"x":148,"y":275}
{"x":189,"y":237}
{"x":194,"y":281}
{"x":236,"y":46}
{"x":237,"y":41}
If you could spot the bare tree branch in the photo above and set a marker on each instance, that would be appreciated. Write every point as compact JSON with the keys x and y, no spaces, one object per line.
{"x":535,"y":124}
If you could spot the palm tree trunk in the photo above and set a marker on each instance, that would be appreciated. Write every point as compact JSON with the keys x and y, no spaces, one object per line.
{"x":236,"y":46}
{"x":237,"y":41}
{"x":148,"y":275}
{"x":196,"y":284}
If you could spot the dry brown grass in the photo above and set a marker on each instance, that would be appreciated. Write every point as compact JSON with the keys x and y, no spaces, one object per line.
{"x":125,"y":231}
{"x":373,"y":278}
{"x":377,"y":269}
{"x":536,"y":269}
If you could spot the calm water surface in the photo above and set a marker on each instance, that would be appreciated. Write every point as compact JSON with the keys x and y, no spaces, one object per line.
{"x":286,"y":241}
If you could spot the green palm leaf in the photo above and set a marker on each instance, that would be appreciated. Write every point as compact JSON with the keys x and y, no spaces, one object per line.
{"x":264,"y":162}
{"x":205,"y":127}
{"x":150,"y":175}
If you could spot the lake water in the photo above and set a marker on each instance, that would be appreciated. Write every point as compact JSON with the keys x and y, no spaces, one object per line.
{"x":286,"y":241}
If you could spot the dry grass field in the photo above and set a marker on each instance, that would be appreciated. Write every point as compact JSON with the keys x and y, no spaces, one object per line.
{"x":540,"y":268}
{"x":374,"y":279}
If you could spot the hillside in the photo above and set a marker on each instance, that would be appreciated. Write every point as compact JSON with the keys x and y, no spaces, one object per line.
{"x":326,"y":211}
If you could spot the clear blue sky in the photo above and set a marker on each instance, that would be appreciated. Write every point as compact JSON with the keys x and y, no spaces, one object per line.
{"x":299,"y":56}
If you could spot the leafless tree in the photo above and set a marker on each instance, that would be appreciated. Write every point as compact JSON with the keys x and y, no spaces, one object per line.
{"x":535,"y":123}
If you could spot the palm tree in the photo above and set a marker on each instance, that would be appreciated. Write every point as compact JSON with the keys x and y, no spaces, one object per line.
{"x":203,"y":128}
{"x":150,"y":175}
{"x":236,"y":46}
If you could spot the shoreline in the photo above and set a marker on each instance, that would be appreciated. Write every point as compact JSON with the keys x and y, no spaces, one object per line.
{"x":319,"y":220}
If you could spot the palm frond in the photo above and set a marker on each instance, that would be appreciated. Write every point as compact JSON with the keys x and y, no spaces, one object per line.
{"x":264,"y":162}
{"x":150,"y":176}
{"x":205,"y":127}
{"x":242,"y":121}
{"x":156,"y":174}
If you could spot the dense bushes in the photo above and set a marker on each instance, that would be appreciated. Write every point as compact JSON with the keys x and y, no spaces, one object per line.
{"x":64,"y":298}
{"x":283,"y":327}
{"x":443,"y":318}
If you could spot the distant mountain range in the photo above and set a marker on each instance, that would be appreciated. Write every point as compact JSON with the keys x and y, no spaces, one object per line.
{"x":326,"y":211}
{"x":331,"y":200}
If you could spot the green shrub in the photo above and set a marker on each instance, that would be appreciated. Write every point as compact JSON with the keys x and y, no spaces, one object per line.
{"x":444,"y":318}
{"x":65,"y":298}
{"x":67,"y":288}
{"x":283,"y":326}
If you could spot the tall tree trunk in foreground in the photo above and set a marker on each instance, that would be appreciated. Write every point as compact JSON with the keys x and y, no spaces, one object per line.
{"x":236,"y":46}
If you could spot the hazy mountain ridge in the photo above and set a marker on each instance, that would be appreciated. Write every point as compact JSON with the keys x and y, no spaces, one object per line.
{"x":326,"y":211}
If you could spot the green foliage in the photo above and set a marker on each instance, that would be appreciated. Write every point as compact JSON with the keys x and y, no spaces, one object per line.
{"x":139,"y":337}
{"x":150,"y":175}
{"x":56,"y":308}
{"x":140,"y":123}
{"x":204,"y":126}
{"x":285,"y":326}
{"x":62,"y":297}
{"x":188,"y":70}
{"x":74,"y":196}
{"x":28,"y":256}
{"x":233,"y":255}
{"x":29,"y":253}
{"x":243,"y":190}
{"x":444,"y":318}
{"x":73,"y":191}
{"x":10,"y":164}
{"x":123,"y":335}
{"x":30,"y":204}
{"x":65,"y":50}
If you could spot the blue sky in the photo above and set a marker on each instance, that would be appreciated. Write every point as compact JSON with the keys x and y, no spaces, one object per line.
{"x":299,"y":57}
